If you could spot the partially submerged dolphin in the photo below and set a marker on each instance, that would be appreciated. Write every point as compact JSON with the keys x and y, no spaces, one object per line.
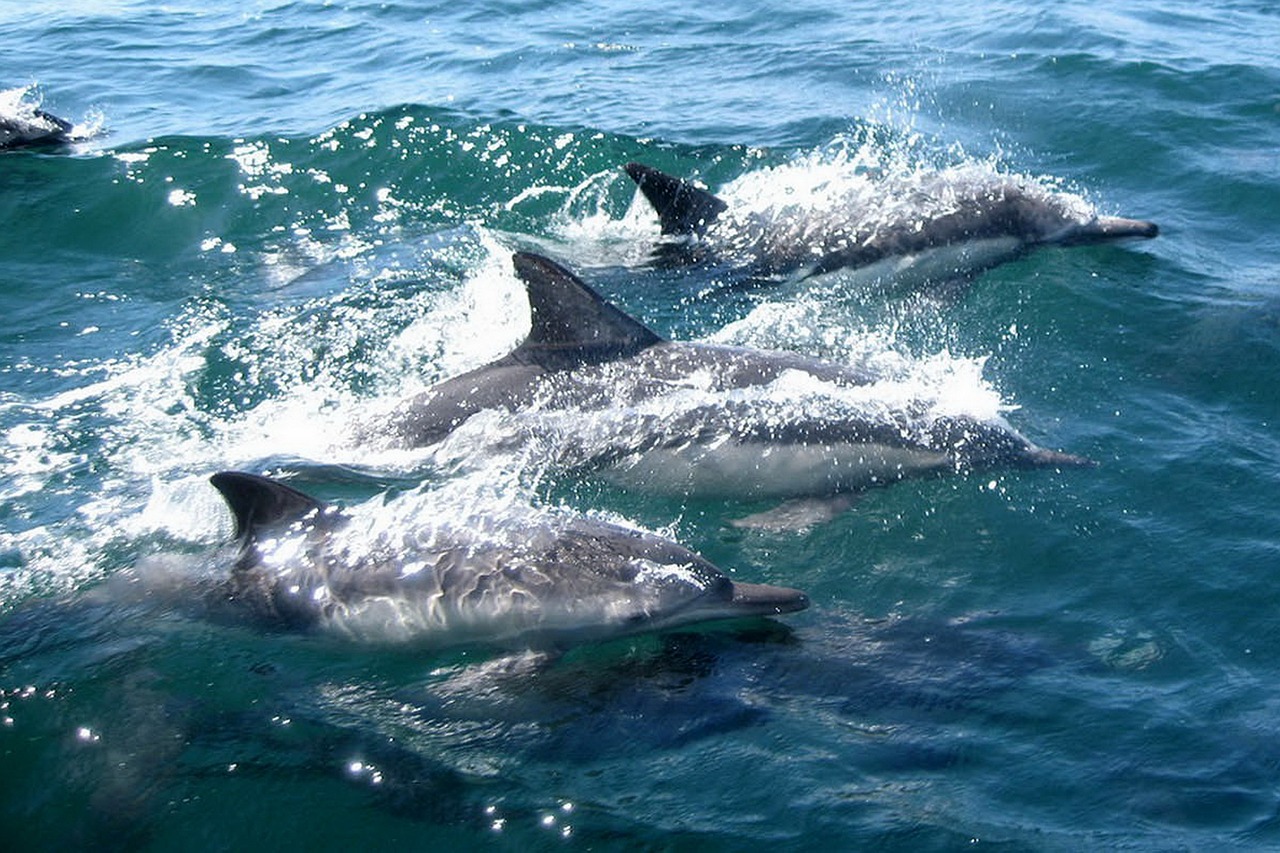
{"x":982,"y":227}
{"x":543,"y":582}
{"x":25,"y":126}
{"x":701,"y":419}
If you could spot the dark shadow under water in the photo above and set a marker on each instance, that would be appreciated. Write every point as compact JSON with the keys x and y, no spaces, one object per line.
{"x":122,"y":720}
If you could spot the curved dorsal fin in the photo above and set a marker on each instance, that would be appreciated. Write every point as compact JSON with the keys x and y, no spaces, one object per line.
{"x":682,"y":207}
{"x":60,"y":124}
{"x":260,"y":502}
{"x":571,"y":324}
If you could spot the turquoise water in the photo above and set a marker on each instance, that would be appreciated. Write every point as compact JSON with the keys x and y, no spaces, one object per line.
{"x":282,"y":218}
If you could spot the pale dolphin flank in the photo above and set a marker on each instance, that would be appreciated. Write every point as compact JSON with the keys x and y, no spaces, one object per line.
{"x":546,"y":582}
{"x":980,"y":229}
{"x":623,"y":396}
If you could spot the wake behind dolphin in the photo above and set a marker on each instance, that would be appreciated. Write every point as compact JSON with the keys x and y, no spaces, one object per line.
{"x":974,"y":229}
{"x":691,"y":419}
{"x":546,"y":581}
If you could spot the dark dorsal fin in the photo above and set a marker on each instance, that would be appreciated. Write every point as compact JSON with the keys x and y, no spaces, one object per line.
{"x":64,"y":127}
{"x":682,"y":207}
{"x":571,"y":324}
{"x":260,"y":502}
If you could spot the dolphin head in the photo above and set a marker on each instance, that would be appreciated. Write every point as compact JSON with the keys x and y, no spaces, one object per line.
{"x":1037,"y":217}
{"x":672,"y":586}
{"x":977,"y":445}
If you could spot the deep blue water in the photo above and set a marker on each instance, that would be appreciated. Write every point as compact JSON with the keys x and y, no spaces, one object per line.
{"x":283,"y":217}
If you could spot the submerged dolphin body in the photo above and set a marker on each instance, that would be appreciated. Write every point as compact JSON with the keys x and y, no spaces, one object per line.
{"x":700,"y":419}
{"x":543,"y":582}
{"x":977,"y":230}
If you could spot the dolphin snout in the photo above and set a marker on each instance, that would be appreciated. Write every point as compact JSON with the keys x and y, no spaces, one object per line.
{"x":1106,"y":229}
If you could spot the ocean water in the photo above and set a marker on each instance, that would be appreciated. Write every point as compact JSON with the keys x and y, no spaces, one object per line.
{"x":278,"y":219}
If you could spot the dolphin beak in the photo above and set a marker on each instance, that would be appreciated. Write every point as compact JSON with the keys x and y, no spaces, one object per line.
{"x":1043,"y":458}
{"x":1106,"y":229}
{"x":763,"y":600}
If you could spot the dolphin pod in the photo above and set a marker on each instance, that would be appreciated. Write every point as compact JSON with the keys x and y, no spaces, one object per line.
{"x":545,"y":583}
{"x":585,"y":363}
{"x":585,"y":358}
{"x":985,"y":227}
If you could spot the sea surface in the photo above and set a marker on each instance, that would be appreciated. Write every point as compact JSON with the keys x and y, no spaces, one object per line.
{"x":279,"y":219}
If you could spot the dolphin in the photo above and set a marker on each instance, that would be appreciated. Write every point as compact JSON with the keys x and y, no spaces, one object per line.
{"x":32,"y":128}
{"x":542,"y":582}
{"x":981,"y":228}
{"x":700,"y":420}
